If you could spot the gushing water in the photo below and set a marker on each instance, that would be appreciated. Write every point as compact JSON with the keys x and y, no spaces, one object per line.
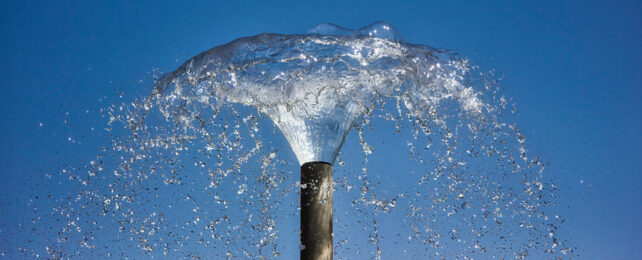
{"x":315,"y":86}
{"x":434,"y":168}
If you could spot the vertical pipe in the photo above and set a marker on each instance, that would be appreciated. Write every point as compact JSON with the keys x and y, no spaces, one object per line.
{"x":316,"y":211}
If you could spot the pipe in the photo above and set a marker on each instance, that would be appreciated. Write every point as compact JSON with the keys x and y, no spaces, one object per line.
{"x":316,"y":211}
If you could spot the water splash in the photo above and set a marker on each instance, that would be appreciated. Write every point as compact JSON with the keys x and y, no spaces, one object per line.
{"x":435,"y":168}
{"x":314,"y":86}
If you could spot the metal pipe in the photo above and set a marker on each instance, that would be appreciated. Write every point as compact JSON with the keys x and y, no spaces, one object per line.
{"x":316,"y":211}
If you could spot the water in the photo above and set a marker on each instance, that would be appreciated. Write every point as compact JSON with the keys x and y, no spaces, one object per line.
{"x":204,"y":166}
{"x":315,"y":86}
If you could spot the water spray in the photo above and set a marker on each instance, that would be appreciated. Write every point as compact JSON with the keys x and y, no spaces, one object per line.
{"x":314,"y":87}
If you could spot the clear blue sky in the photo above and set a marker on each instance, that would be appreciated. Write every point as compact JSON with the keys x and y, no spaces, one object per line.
{"x":572,"y":68}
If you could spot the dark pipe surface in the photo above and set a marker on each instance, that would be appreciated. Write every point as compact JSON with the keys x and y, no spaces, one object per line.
{"x":316,"y":211}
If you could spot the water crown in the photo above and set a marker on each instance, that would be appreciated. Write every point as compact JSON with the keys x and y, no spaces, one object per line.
{"x":314,"y":86}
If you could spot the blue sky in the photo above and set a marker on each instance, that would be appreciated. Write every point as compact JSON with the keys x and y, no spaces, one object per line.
{"x":572,"y":68}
